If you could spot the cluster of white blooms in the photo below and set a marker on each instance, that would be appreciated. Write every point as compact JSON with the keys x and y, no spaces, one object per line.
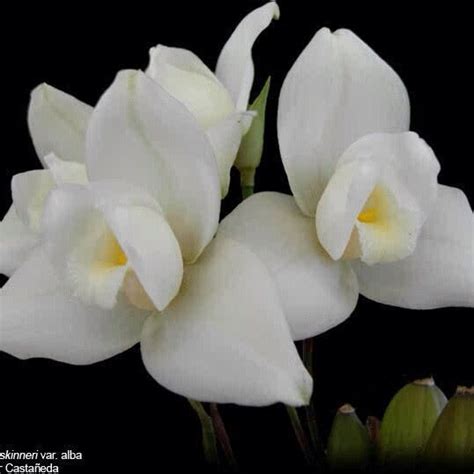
{"x":117,"y":239}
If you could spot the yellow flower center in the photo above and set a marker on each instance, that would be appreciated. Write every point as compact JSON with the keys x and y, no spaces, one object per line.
{"x":117,"y":255}
{"x":110,"y":253}
{"x":377,"y":208}
{"x":384,"y":232}
{"x":367,"y":216}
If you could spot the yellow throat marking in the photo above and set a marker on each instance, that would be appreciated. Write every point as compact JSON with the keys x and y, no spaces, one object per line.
{"x":367,"y":216}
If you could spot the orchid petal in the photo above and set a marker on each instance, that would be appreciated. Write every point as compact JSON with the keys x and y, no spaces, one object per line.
{"x":40,"y":318}
{"x":440,"y":272}
{"x":225,"y":138}
{"x":65,"y":171}
{"x":146,"y":239}
{"x":183,"y":75}
{"x":224,"y":338}
{"x":316,"y":292}
{"x":235,"y":66}
{"x":20,"y":228}
{"x":392,"y":177}
{"x":58,"y":123}
{"x":337,"y":91}
{"x":16,"y":242}
{"x":82,"y":248}
{"x":140,"y":134}
{"x":29,"y":192}
{"x":96,"y":234}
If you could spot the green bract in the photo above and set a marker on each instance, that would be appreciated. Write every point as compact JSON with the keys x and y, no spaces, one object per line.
{"x":251,"y":148}
{"x":451,"y":443}
{"x":349,"y":446}
{"x":408,"y":422}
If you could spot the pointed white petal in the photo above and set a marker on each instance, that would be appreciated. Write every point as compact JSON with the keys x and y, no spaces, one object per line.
{"x":58,"y":123}
{"x":139,"y":133}
{"x":317,"y":293}
{"x":225,"y":138}
{"x":39,"y":318}
{"x":441,"y":270}
{"x":183,"y":75}
{"x":16,"y":242}
{"x":337,"y":91}
{"x":391,"y":176}
{"x":235,"y":66}
{"x":224,"y":338}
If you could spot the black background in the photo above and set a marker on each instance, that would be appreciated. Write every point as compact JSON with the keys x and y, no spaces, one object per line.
{"x":114,"y":412}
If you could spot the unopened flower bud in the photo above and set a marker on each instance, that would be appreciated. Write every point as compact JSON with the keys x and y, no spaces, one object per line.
{"x":451,"y":444}
{"x":408,"y":422}
{"x":349,"y":445}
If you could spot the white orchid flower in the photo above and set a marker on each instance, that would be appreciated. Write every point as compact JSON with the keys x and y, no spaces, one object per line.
{"x":368,"y":214}
{"x":58,"y":121}
{"x":219,"y":100}
{"x":131,"y":257}
{"x":57,"y":124}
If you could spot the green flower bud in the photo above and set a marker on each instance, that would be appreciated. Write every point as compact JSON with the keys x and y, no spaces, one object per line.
{"x":451,"y":444}
{"x":407,"y":424}
{"x":251,"y":147}
{"x":349,"y":445}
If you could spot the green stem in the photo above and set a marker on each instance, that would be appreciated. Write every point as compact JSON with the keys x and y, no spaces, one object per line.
{"x":311,"y":420}
{"x":300,"y":435}
{"x":247,"y":191}
{"x":247,"y":181}
{"x":209,"y":444}
{"x":223,"y":437}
